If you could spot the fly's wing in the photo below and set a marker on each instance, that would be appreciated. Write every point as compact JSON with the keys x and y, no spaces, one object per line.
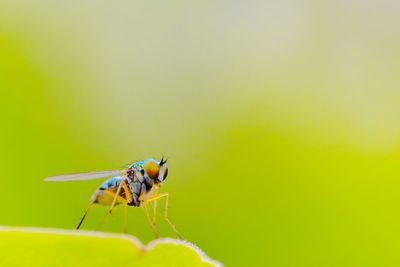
{"x":84,"y":176}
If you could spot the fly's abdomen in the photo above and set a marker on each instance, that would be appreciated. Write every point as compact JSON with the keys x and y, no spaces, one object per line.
{"x":110,"y":185}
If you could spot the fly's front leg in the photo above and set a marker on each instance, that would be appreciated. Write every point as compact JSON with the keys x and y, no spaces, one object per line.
{"x":166,"y":195}
{"x":155,"y":208}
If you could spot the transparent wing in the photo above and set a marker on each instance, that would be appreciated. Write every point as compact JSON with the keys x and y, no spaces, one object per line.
{"x":84,"y":176}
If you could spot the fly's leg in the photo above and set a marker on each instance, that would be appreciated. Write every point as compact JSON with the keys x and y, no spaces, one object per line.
{"x":155,"y":213}
{"x":129,"y":199}
{"x":128,"y":194}
{"x":155,"y":208}
{"x":153,"y":226}
{"x":166,"y":195}
{"x":85,"y":213}
{"x":103,"y":221}
{"x":116,"y":197}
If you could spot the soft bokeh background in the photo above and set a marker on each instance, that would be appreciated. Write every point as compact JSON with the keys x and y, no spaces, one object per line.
{"x":280,"y":120}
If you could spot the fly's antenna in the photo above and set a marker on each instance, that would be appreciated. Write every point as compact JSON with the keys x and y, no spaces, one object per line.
{"x":163,"y":161}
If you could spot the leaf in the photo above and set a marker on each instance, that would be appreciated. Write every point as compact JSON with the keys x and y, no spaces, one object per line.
{"x":51,"y":247}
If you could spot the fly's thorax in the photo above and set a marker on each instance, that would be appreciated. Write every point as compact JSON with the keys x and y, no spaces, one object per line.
{"x":138,"y":186}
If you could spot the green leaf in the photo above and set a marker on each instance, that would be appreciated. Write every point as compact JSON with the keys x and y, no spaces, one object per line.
{"x":50,"y":247}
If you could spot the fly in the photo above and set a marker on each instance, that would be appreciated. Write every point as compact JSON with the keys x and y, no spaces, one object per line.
{"x":135,"y":186}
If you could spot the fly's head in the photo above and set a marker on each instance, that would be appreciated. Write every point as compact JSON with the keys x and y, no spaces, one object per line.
{"x":156,"y":170}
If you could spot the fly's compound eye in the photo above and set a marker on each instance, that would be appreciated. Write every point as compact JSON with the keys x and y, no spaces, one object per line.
{"x":151,"y":167}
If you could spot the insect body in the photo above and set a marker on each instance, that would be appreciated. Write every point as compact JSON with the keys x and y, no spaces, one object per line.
{"x":136,"y":186}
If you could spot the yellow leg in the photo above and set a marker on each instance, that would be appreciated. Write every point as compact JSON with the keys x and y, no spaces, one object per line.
{"x":154,"y":193}
{"x":153,"y":227}
{"x":116,"y":196}
{"x":103,"y":221}
{"x":166,"y":195}
{"x":84,"y":214}
{"x":155,"y":212}
{"x":128,"y":194}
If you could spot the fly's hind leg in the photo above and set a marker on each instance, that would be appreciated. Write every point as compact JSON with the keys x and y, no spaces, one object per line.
{"x":92,"y":201}
{"x":85,"y":213}
{"x":166,"y":195}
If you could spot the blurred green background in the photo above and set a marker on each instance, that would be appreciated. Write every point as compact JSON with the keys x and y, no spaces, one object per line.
{"x":280,"y":121}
